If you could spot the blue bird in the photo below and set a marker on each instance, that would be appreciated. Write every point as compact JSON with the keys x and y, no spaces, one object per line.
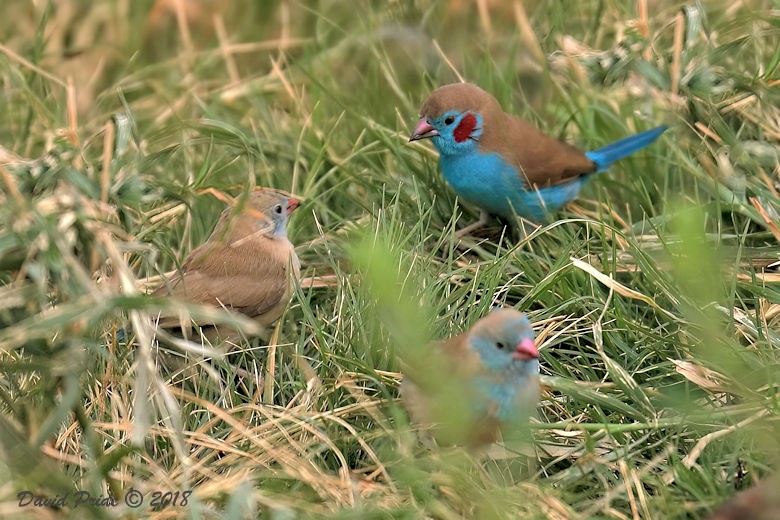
{"x":485,"y":383}
{"x":503,"y":164}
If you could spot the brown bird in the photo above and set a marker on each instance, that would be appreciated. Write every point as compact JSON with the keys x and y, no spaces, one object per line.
{"x":246,"y":265}
{"x":760,"y":502}
{"x":479,"y":386}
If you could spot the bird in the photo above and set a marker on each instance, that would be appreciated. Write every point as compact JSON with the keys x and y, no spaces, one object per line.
{"x":247,"y":264}
{"x":503,"y":164}
{"x":484,"y":383}
{"x":760,"y":502}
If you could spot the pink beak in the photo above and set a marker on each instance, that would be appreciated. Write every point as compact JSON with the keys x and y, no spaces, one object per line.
{"x":292,"y":205}
{"x":525,"y":350}
{"x":423,"y":130}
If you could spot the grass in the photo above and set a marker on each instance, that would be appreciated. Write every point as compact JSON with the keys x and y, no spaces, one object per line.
{"x":657,"y":322}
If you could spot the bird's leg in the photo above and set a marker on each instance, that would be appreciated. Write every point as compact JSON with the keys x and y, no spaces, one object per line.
{"x":525,"y":227}
{"x":484,"y":217}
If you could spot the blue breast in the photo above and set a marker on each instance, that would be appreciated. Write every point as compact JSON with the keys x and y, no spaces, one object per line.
{"x":488,"y":181}
{"x":499,"y":398}
{"x":505,"y":393}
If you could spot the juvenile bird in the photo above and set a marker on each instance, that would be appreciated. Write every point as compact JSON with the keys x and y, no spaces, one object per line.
{"x":247,"y":264}
{"x":484,"y":387}
{"x":503,"y":164}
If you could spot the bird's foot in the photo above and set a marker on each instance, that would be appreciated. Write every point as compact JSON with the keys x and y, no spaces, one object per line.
{"x":525,"y":228}
{"x":484,"y":217}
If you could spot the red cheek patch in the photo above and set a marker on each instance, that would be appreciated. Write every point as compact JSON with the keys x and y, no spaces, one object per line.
{"x":465,"y":127}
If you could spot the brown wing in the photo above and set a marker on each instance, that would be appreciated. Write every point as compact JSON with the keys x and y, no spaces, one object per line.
{"x":245,"y":294}
{"x":251,"y":278}
{"x":417,"y":394}
{"x":542,"y":160}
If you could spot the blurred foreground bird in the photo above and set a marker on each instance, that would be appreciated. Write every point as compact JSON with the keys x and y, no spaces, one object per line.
{"x":482,"y":385}
{"x":503,"y":164}
{"x":760,"y":502}
{"x":246,"y":265}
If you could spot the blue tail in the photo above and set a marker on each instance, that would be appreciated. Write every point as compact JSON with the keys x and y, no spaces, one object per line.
{"x":604,"y":157}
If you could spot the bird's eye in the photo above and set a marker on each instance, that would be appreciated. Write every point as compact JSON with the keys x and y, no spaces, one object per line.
{"x":449,"y":120}
{"x":500,"y":346}
{"x":278,"y":209}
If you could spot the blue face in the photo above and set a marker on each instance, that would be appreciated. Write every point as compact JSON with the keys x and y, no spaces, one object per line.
{"x":458,"y":132}
{"x":496,"y":347}
{"x":508,"y":382}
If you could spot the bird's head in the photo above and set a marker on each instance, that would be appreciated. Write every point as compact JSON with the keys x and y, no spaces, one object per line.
{"x":504,"y":340}
{"x":271,"y":209}
{"x":454,"y":116}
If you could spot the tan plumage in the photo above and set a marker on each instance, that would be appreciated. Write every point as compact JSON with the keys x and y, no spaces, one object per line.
{"x":542,"y":159}
{"x":760,"y":502}
{"x":460,"y":365}
{"x":247,"y":264}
